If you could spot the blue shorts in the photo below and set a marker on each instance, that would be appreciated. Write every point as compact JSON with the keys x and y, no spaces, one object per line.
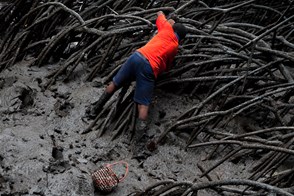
{"x":137,"y":68}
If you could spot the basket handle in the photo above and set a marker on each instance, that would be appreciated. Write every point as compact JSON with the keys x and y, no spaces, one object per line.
{"x":110,"y":165}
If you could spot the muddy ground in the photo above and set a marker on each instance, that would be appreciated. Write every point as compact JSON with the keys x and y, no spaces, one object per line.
{"x":43,"y":153}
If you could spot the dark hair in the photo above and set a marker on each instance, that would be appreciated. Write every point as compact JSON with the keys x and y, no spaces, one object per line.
{"x":180,"y":29}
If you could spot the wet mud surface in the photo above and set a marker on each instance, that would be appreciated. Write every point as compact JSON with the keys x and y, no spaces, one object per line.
{"x":42,"y":150}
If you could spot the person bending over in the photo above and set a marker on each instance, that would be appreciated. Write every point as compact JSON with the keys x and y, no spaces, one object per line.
{"x":144,"y":65}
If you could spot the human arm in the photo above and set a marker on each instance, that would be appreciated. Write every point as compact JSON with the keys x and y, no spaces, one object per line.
{"x":160,"y":20}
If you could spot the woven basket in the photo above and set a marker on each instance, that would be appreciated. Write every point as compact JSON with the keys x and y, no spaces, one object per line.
{"x":105,"y":178}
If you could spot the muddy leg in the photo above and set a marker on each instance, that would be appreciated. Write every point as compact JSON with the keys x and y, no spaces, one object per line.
{"x":140,"y":140}
{"x":94,"y":110}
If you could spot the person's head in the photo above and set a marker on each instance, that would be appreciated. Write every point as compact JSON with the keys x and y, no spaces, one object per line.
{"x":180,"y":30}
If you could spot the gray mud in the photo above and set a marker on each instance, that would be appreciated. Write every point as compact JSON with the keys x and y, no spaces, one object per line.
{"x":43,"y":153}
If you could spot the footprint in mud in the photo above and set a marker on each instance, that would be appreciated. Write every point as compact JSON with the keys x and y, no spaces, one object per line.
{"x":25,"y":94}
{"x":57,"y":164}
{"x":2,"y":181}
{"x":62,"y":107}
{"x":110,"y":155}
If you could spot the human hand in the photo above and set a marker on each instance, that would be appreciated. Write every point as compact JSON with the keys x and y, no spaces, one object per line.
{"x":159,"y":13}
{"x":174,"y":17}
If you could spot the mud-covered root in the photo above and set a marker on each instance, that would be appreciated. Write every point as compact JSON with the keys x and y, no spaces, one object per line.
{"x":218,"y":186}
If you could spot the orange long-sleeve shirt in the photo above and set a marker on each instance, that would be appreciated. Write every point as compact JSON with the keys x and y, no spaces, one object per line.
{"x":162,"y":48}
